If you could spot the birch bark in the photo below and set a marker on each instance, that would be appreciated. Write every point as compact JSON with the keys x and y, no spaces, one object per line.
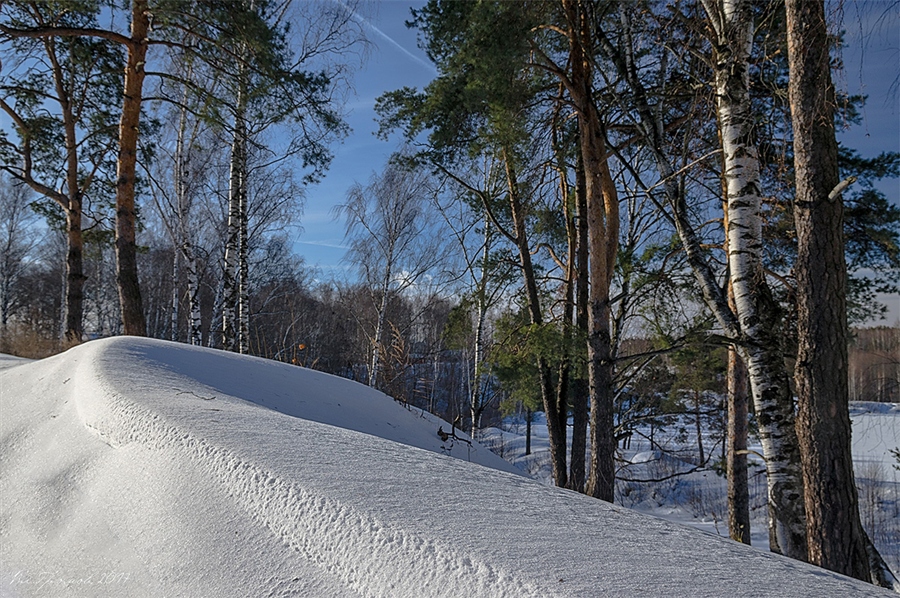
{"x":378,"y":338}
{"x":476,"y":407}
{"x":759,"y":342}
{"x":184,"y":201}
{"x":233,"y":236}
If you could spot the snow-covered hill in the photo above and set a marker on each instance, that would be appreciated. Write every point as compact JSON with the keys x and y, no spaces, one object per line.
{"x":134,"y":467}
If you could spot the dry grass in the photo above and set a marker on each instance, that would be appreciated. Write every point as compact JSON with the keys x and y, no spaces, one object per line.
{"x":26,"y":342}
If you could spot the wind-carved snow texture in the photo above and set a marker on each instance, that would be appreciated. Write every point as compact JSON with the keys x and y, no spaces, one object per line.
{"x":352,"y":545}
{"x":145,"y":468}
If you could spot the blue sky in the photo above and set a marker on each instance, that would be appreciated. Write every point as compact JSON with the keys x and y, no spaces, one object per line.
{"x":394,"y":61}
{"x":870,"y":66}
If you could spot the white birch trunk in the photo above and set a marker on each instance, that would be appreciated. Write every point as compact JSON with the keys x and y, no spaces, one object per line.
{"x":195,"y":333}
{"x":231,"y":271}
{"x":757,"y":313}
{"x":476,"y":406}
{"x":181,"y":230}
{"x":217,"y":319}
{"x":377,"y":343}
{"x":244,"y":274}
{"x":173,"y":322}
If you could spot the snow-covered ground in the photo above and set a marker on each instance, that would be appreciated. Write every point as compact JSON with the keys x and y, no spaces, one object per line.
{"x":684,"y":493}
{"x":135,"y":467}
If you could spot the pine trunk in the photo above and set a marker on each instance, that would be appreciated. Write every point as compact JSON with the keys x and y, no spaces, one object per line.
{"x":75,"y":278}
{"x":836,"y":537}
{"x":74,"y":306}
{"x":736,"y":454}
{"x":133,"y":319}
{"x":580,"y":388}
{"x":603,"y":232}
{"x":556,"y":435}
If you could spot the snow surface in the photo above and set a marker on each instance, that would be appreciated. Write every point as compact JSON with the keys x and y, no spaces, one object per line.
{"x":697,"y":496}
{"x":876,"y":430}
{"x":136,"y":467}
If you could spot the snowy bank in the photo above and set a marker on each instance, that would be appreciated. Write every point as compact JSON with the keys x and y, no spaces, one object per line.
{"x":134,"y":467}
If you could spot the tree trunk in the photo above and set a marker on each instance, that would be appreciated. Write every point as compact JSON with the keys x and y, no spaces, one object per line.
{"x":72,"y":205}
{"x":737,"y":398}
{"x":575,"y":480}
{"x":377,"y":339}
{"x":237,"y":190}
{"x":75,"y":278}
{"x":757,"y":312}
{"x":556,"y":435}
{"x":603,"y":229}
{"x":736,"y":455}
{"x":698,"y":427}
{"x":184,"y":200}
{"x":580,"y":388}
{"x":476,"y":397}
{"x":193,"y":289}
{"x":835,"y":534}
{"x":603,"y":224}
{"x":173,"y":316}
{"x":133,"y":319}
{"x":528,"y":416}
{"x":244,"y":269}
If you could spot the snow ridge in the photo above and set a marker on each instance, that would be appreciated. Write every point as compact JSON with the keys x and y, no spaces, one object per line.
{"x":357,"y":548}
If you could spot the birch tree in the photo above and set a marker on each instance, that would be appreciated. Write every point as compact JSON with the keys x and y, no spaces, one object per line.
{"x":16,"y":218}
{"x":234,"y":301}
{"x":486,"y":98}
{"x":757,"y":339}
{"x":179,"y":180}
{"x":391,"y":243}
{"x":485,"y":268}
{"x":756,"y":310}
{"x":214,"y":33}
{"x":282,"y":80}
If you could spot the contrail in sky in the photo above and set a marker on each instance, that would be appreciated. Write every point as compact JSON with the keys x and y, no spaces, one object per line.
{"x":367,"y":23}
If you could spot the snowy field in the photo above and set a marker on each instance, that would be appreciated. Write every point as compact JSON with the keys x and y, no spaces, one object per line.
{"x":135,"y":467}
{"x":684,"y":493}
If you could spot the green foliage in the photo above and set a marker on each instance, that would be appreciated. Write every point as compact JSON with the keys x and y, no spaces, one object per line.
{"x":458,"y":330}
{"x":699,"y":367}
{"x":81,"y":75}
{"x":51,"y":212}
{"x":482,"y":94}
{"x":518,"y":347}
{"x":246,"y":45}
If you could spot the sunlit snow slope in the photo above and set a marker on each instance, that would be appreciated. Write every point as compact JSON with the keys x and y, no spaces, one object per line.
{"x":134,"y":467}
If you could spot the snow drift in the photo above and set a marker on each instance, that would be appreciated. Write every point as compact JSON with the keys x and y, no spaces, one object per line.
{"x":134,"y":467}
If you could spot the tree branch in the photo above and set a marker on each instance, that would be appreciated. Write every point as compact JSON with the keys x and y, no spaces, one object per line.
{"x":839,"y":188}
{"x":50,"y":31}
